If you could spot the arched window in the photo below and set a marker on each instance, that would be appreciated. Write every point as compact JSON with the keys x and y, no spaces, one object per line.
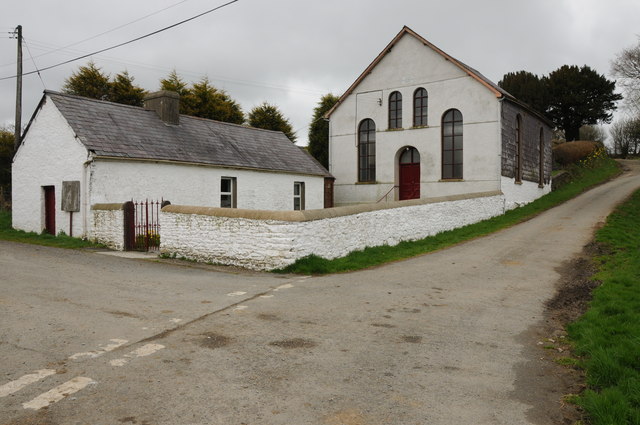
{"x":395,"y":110}
{"x":518,"y":135}
{"x":452,"y":145}
{"x":420,"y":103}
{"x":367,"y":151}
{"x":541,"y":172}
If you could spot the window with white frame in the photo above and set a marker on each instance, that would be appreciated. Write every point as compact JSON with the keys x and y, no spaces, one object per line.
{"x":228,"y":192}
{"x":298,"y":196}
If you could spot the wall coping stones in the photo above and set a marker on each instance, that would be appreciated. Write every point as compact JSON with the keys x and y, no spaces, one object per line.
{"x":107,"y":207}
{"x":307,"y":215}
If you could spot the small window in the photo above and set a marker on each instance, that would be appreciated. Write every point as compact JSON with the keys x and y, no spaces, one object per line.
{"x":228,"y":192}
{"x":420,"y":107}
{"x":367,"y":151}
{"x":452,"y":145}
{"x":298,"y":196}
{"x":395,"y":110}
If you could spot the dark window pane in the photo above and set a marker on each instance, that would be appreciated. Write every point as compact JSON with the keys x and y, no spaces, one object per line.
{"x":225,"y":185}
{"x":457,"y":171}
{"x":457,"y":157}
{"x":225,"y":201}
{"x":447,"y":143}
{"x":296,"y":203}
{"x":446,"y":172}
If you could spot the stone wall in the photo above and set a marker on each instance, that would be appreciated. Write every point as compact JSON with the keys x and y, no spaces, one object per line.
{"x":264,"y":240}
{"x":531,"y":126}
{"x":107,"y":225}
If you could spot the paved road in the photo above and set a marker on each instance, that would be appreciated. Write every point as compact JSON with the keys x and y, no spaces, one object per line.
{"x":439,"y":339}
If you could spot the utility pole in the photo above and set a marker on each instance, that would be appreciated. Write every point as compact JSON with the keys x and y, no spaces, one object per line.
{"x":18,"y":122}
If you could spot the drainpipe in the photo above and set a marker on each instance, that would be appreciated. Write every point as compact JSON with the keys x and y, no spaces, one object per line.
{"x":85,"y":198}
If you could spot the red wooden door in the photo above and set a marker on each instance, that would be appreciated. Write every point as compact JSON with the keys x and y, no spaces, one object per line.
{"x":410,"y":174}
{"x":50,"y":209}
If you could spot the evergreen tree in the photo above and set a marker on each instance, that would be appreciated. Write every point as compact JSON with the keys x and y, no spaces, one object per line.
{"x":6,"y":156}
{"x":88,"y":81}
{"x":174,"y":83}
{"x":319,"y":130}
{"x":269,"y":117}
{"x":123,"y":90}
{"x":579,"y":96}
{"x":526,"y":87}
{"x":206,"y":101}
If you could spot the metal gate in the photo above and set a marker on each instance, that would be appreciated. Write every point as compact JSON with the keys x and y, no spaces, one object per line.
{"x":141,"y":225}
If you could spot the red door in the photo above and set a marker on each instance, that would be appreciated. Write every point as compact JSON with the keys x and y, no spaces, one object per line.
{"x":409,"y":174}
{"x":50,"y":209}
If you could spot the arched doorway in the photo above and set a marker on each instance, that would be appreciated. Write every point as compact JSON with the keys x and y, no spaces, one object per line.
{"x":409,"y":173}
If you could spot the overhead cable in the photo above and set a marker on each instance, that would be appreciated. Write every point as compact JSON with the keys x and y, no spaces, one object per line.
{"x":126,"y":42}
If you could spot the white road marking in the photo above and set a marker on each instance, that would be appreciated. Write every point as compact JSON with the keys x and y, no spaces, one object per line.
{"x":93,"y":354}
{"x":240,"y":308}
{"x":235,"y":294}
{"x":23,"y":381}
{"x":143,"y":351}
{"x":58,"y":393}
{"x":175,"y":320}
{"x":118,"y":362}
{"x":285,"y":286}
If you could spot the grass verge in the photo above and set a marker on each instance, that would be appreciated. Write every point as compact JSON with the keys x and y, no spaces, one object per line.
{"x":585,"y":175}
{"x":7,"y":233}
{"x":607,"y":337}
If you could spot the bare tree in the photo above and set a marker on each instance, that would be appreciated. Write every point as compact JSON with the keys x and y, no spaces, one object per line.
{"x":626,"y":137}
{"x":593,"y":133}
{"x":626,"y":68}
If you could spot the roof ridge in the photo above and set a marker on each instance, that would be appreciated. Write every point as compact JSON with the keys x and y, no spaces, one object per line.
{"x":91,"y":99}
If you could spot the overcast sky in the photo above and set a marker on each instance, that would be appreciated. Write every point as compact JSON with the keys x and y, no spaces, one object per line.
{"x":291,"y":52}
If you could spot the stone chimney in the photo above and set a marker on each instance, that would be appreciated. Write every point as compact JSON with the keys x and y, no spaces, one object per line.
{"x":166,"y":104}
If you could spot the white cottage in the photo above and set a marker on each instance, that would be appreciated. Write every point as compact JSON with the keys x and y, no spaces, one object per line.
{"x":418,"y":123}
{"x":77,"y":152}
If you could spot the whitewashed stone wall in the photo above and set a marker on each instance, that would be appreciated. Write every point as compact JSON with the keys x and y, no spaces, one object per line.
{"x":107,"y":225}
{"x":263,"y":240}
{"x":519,"y":194}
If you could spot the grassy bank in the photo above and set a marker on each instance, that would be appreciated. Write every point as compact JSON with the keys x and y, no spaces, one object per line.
{"x":585,"y":175}
{"x":607,"y":337}
{"x":61,"y":241}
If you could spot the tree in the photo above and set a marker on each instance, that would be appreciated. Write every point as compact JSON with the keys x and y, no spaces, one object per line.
{"x":593,"y":133}
{"x":319,"y":130}
{"x":88,"y":81}
{"x":6,"y":156}
{"x":174,"y":83}
{"x":626,"y":136}
{"x":626,"y":68}
{"x":269,"y":117}
{"x":205,"y":101}
{"x":124,"y":91}
{"x":579,"y":96}
{"x":526,"y":87}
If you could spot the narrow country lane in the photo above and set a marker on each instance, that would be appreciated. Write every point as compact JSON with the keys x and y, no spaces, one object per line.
{"x":437,"y":339}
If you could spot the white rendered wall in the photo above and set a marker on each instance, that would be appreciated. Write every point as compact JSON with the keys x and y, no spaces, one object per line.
{"x":119,"y":181}
{"x":518,"y":194}
{"x":48,"y":155}
{"x":108,"y":227}
{"x":264,"y":244}
{"x":408,"y":66}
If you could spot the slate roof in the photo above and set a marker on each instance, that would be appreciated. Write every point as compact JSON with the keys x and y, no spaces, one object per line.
{"x":129,"y":132}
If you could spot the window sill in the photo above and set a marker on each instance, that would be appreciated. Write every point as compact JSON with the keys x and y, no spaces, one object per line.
{"x":395,"y":129}
{"x":450,"y":180}
{"x":418,"y":127}
{"x":374,"y":182}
